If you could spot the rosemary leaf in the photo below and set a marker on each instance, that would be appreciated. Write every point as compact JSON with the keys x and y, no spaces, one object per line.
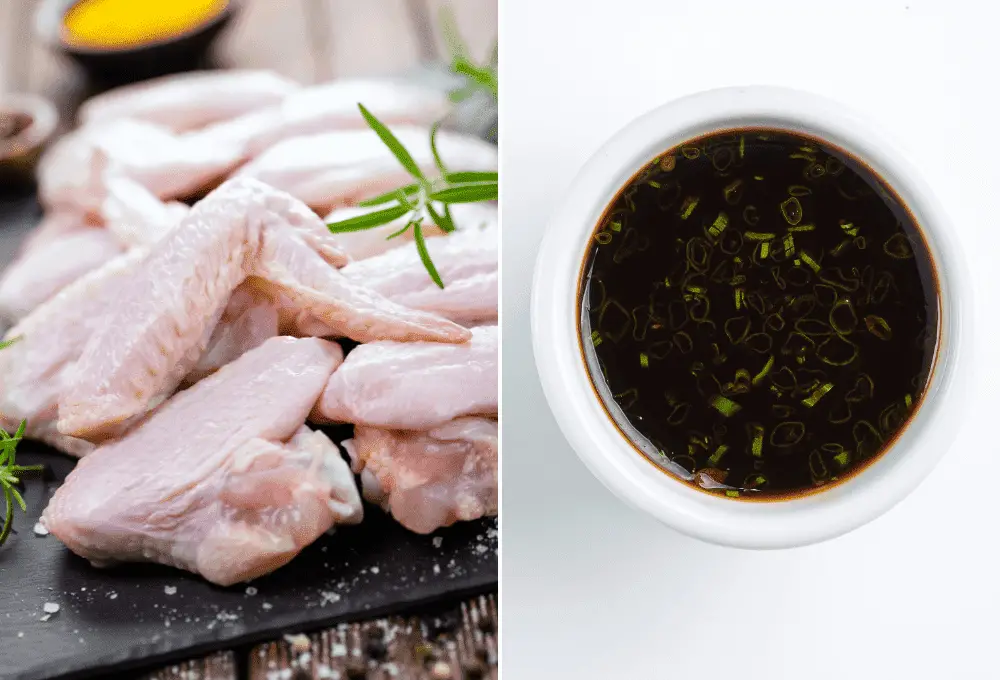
{"x":397,"y":148}
{"x":400,"y":232}
{"x":434,"y":149}
{"x":425,"y":257}
{"x":7,"y":343}
{"x":472,"y":192}
{"x":389,"y":196}
{"x":481,"y":75}
{"x":369,"y":220}
{"x":442,"y":219}
{"x":467,"y":176}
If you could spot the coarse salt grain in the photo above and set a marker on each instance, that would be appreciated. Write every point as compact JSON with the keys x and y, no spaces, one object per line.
{"x":50,"y":607}
{"x":40,"y":529}
{"x":169,"y":590}
{"x":437,"y":541}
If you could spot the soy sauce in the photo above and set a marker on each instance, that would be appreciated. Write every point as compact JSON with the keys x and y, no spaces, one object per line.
{"x":759,"y":313}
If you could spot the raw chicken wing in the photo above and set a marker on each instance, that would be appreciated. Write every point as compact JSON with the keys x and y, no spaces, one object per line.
{"x":429,"y":479}
{"x":342,"y":168}
{"x":468,"y":263}
{"x":190,"y":100}
{"x":414,"y":385}
{"x":134,"y":215}
{"x":160,"y":323}
{"x":249,"y":319}
{"x":334,"y":106}
{"x":73,"y":174}
{"x":35,"y":371}
{"x":45,"y":270}
{"x":223,"y":480}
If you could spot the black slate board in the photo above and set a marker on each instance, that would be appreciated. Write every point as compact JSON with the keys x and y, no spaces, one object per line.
{"x":111,"y":620}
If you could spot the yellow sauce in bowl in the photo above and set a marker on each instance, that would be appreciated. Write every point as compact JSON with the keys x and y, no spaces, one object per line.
{"x":119,"y":24}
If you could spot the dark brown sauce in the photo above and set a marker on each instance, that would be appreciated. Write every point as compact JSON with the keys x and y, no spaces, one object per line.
{"x":759,"y":313}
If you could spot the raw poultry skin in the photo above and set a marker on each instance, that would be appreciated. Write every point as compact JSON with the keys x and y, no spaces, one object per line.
{"x":224,"y":480}
{"x":467,"y":261}
{"x":414,"y":385}
{"x":35,"y":371}
{"x":134,"y":215}
{"x":249,"y":319}
{"x":429,"y":479}
{"x":162,"y":320}
{"x":341,"y":168}
{"x":190,"y":100}
{"x":50,"y":265}
{"x":334,"y":106}
{"x":73,"y":173}
{"x":360,"y":245}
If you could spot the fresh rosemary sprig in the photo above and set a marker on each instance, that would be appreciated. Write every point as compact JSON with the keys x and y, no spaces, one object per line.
{"x":9,"y":476}
{"x":477,"y":76}
{"x":416,"y":200}
{"x":9,"y":470}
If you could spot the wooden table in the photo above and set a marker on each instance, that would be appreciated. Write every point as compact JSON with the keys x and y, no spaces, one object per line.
{"x":309,"y":40}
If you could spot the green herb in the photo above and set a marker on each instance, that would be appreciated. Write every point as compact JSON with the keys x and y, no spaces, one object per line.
{"x":10,"y":471}
{"x":726,"y":407}
{"x":478,"y":77}
{"x":7,"y":343}
{"x":417,"y":199}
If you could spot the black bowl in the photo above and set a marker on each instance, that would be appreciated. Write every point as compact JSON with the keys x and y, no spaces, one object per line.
{"x":117,"y":66}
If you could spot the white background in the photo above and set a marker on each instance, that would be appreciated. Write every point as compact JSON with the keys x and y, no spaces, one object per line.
{"x":593,"y":589}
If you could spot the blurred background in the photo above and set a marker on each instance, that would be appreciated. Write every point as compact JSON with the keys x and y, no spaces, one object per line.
{"x":309,"y":40}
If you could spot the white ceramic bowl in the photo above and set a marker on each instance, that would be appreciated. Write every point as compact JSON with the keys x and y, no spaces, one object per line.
{"x":597,"y":441}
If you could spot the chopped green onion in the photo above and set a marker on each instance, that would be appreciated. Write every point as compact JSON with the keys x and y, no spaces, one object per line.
{"x":791,"y":210}
{"x":757,"y":236}
{"x":725,"y":406}
{"x":764,"y":371}
{"x":849,"y":228}
{"x":688,"y":206}
{"x":719,"y":225}
{"x":878,"y":327}
{"x":757,"y":445}
{"x":789,"y":242}
{"x":817,"y":394}
{"x":643,"y":359}
{"x":809,"y":261}
{"x":714,"y":459}
{"x":842,"y":458}
{"x":732,"y":493}
{"x":765,"y":248}
{"x":596,"y":338}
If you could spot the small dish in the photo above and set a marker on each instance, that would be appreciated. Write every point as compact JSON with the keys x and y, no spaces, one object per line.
{"x":27,"y":122}
{"x":578,"y":410}
{"x":185,"y":51}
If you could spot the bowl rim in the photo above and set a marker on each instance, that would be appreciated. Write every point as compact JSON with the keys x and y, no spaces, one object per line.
{"x":44,"y":121}
{"x":579,"y":412}
{"x":59,"y":33}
